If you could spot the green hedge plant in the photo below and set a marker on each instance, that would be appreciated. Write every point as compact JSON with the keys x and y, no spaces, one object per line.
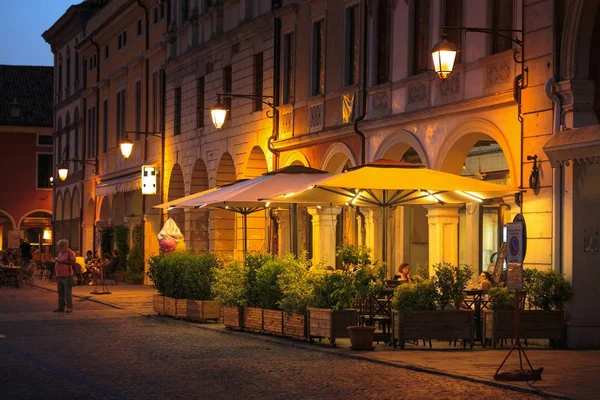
{"x":420,"y":295}
{"x":294,"y":281}
{"x":450,"y":282}
{"x":231,"y":284}
{"x":501,"y":298}
{"x":135,"y":260}
{"x":550,"y":290}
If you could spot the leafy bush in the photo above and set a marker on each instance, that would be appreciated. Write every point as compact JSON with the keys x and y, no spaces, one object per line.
{"x":550,"y":290}
{"x":420,"y":295}
{"x":135,"y":260}
{"x":334,"y":289}
{"x":253,"y":262}
{"x":121,"y":239}
{"x":450,"y":282}
{"x":501,"y":298}
{"x":422,"y":271}
{"x":267,"y":286}
{"x":295,"y":284}
{"x":529,"y":277}
{"x":106,"y":239}
{"x":231,"y":284}
{"x":183,"y":275}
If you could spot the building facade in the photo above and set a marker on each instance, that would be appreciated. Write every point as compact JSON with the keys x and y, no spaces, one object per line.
{"x":351,"y":82}
{"x":26,"y":140}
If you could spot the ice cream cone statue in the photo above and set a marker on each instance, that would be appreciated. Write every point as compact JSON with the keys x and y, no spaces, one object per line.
{"x":170,"y":238}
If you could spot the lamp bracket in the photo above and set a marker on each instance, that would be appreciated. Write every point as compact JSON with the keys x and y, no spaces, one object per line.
{"x":497,"y":32}
{"x":93,"y":163}
{"x":155,"y":134}
{"x":250,"y":97}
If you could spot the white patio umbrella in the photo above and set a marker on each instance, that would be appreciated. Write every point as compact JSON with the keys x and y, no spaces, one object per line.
{"x":243,"y":197}
{"x":386,"y":183}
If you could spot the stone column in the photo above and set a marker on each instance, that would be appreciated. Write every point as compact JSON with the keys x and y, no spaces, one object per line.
{"x":283,"y":233}
{"x":443,"y":235}
{"x":369,"y":230}
{"x":324,"y":224}
{"x":472,"y":233}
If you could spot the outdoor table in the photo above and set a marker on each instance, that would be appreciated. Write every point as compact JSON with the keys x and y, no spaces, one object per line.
{"x":474,"y":301}
{"x":380,"y":310}
{"x":12,"y":275}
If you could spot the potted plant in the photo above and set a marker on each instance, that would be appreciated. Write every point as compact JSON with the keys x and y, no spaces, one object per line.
{"x":135,"y":260}
{"x":430,"y":309}
{"x":230,"y":289}
{"x":157,"y":275}
{"x":297,"y":293}
{"x":546,"y":294}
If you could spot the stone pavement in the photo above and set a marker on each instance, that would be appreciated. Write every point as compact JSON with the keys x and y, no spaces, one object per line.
{"x":567,"y":373}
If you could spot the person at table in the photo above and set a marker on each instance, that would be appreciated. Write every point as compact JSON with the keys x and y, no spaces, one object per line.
{"x":25,"y":249}
{"x":88,"y":257}
{"x":63,"y":271}
{"x":113,"y":264}
{"x":404,"y":273}
{"x":486,"y":282}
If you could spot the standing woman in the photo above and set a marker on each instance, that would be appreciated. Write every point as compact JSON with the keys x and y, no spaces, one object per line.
{"x":63,"y":267}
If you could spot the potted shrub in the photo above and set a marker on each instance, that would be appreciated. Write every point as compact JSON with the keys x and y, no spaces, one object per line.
{"x":255,"y":262}
{"x":230,"y":289}
{"x":297,"y":293}
{"x":270,"y":293}
{"x":430,"y":309}
{"x":135,"y":260}
{"x":157,"y":274}
{"x":547,"y":293}
{"x":199,"y":276}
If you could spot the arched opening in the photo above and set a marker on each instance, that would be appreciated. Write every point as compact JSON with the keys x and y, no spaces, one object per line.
{"x":33,"y":225}
{"x":408,"y":225}
{"x":65,"y":224}
{"x":104,"y":213}
{"x":89,"y":213}
{"x":119,"y":209}
{"x":479,"y":156}
{"x":258,"y":221}
{"x":222,"y":221}
{"x":198,"y":240}
{"x":75,"y":221}
{"x":7,"y":224}
{"x":176,"y":191}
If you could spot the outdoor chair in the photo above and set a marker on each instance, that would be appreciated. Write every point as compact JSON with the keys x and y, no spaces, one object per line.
{"x":27,"y":276}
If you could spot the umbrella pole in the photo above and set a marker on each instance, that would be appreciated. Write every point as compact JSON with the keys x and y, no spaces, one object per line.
{"x":384,"y":227}
{"x":245,"y":233}
{"x":294,"y":228}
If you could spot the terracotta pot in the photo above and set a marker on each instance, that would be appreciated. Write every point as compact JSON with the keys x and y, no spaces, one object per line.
{"x":361,"y":337}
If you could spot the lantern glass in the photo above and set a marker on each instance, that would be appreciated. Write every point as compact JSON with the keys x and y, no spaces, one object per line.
{"x":126,"y":147}
{"x":444,"y":55}
{"x":218,"y":114}
{"x":63,"y":171}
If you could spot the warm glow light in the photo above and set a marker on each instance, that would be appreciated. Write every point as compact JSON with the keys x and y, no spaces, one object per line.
{"x":355,"y":198}
{"x":171,"y":207}
{"x":126,"y":147}
{"x":469,"y":196}
{"x":218,"y":114}
{"x":289,"y":194}
{"x":63,"y":171}
{"x":47,"y":235}
{"x":267,"y":204}
{"x":443,"y":54}
{"x":434,"y":196}
{"x":480,"y":197}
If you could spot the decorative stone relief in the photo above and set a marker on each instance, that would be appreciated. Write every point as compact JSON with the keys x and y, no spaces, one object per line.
{"x":380,"y":104}
{"x":417,"y":92}
{"x":348,"y":108}
{"x":315,"y":117}
{"x":286,"y":118}
{"x":450,"y":86}
{"x":497,"y":73}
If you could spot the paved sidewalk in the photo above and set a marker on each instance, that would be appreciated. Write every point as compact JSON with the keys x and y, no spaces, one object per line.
{"x":567,"y":373}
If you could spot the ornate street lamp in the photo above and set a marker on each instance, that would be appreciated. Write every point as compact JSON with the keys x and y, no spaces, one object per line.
{"x":219,"y":111}
{"x":126,"y":145}
{"x":443,"y":54}
{"x":63,"y":167}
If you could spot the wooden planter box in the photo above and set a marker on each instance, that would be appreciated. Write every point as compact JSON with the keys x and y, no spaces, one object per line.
{"x":439,"y":324}
{"x":330,"y":324}
{"x":233,"y":317}
{"x":170,"y":306}
{"x":181,"y":308}
{"x":273,"y":322}
{"x":253,"y":319}
{"x":294,"y":326}
{"x":158,"y":303}
{"x":534,"y":324}
{"x":203,"y":310}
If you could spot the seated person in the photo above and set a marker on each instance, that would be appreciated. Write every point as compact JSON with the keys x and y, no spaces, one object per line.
{"x":79,"y":268}
{"x":88,"y":256}
{"x":112,"y":265}
{"x":404,"y":273}
{"x":486,"y":282}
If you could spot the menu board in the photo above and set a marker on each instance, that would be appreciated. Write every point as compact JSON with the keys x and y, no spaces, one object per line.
{"x":514,"y":276}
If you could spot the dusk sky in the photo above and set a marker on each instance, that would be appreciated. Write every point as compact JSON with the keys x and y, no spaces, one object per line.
{"x":21,"y":28}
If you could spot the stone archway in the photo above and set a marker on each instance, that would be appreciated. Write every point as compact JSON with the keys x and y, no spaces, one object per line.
{"x":65,"y":224}
{"x":337,"y":156}
{"x":75,"y":221}
{"x":33,"y":225}
{"x":402,"y":145}
{"x":89,"y":220}
{"x":199,"y":222}
{"x":258,"y":221}
{"x":7,"y":223}
{"x":119,"y":209}
{"x":176,"y":191}
{"x":296,"y":158}
{"x":222,"y":222}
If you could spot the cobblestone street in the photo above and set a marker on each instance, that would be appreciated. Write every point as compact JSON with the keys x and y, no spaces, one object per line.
{"x":101,"y":352}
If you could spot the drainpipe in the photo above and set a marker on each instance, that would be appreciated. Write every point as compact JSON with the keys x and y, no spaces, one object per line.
{"x":363,"y":102}
{"x":550,"y":89}
{"x":276,"y":87}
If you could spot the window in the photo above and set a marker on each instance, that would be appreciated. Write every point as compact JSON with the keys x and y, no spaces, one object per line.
{"x":421,"y":48}
{"x":200,"y":102}
{"x":91,"y":150}
{"x":162,"y":10}
{"x":177,"y":121}
{"x":351,"y":43}
{"x":76,"y":70}
{"x":45,"y":169}
{"x":155,"y":101}
{"x":68,"y":69}
{"x":76,"y":134}
{"x":318,"y":58}
{"x":288,"y":68}
{"x":227,"y":88}
{"x":122,"y":40}
{"x":105,"y":126}
{"x":45,"y":140}
{"x":185,"y":10}
{"x":258,"y":81}
{"x":139,"y":27}
{"x":120,"y":116}
{"x":155,"y":15}
{"x":106,"y":52}
{"x":502,"y":18}
{"x":138,"y":109}
{"x":59,"y":78}
{"x":453,"y":17}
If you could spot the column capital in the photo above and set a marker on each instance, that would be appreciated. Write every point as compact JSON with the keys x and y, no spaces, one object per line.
{"x":436,"y":210}
{"x":324,"y":212}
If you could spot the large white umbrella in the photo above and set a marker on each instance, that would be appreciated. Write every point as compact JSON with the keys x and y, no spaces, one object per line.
{"x":243,"y":197}
{"x":386,"y":183}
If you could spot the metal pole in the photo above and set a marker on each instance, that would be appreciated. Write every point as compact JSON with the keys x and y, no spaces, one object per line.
{"x":384,"y":227}
{"x":294,"y":228}
{"x":245,"y":232}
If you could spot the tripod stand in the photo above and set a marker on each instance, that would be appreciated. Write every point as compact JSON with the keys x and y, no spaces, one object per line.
{"x":99,"y":284}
